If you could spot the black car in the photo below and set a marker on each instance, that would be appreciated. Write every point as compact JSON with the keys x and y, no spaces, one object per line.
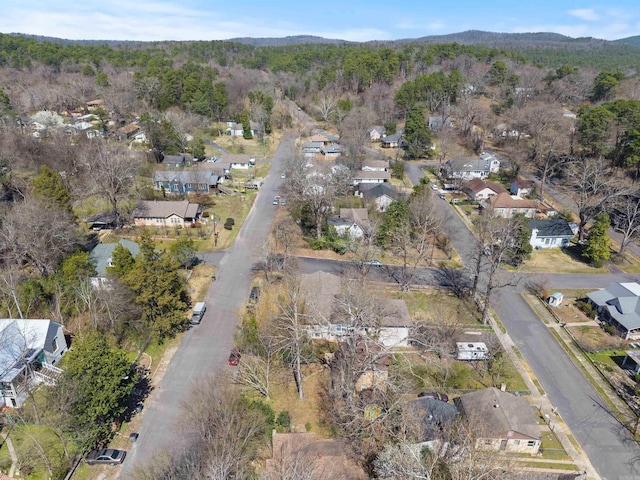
{"x":435,"y":395}
{"x":108,"y":456}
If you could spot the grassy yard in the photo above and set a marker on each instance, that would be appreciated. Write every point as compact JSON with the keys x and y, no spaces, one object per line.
{"x":432,"y":303}
{"x":558,"y":260}
{"x":253,"y":147}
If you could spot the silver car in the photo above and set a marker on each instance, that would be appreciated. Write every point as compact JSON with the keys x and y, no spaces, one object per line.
{"x":109,"y":456}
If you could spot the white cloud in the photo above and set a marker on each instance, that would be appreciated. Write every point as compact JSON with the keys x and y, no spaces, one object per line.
{"x":586,"y":14}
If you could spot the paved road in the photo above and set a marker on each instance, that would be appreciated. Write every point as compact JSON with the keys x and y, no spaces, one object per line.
{"x":204,"y":350}
{"x":610,"y":448}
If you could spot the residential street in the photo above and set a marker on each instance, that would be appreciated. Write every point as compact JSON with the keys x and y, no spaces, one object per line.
{"x":611,"y":449}
{"x":205,"y":349}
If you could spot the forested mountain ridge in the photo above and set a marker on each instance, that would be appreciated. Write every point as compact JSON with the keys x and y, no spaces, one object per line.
{"x":548,"y":49}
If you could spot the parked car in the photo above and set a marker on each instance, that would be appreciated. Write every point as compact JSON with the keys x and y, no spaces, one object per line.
{"x":276,"y":200}
{"x":284,"y":175}
{"x":234,"y":358}
{"x":109,"y":456}
{"x":435,"y":395}
{"x":374,"y":263}
{"x":283,"y":202}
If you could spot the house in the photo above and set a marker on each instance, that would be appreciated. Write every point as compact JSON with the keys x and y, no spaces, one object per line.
{"x":619,"y":305}
{"x":382,"y":194}
{"x":521,"y":187}
{"x":101,"y":256}
{"x":331,"y":151}
{"x":555,"y":300}
{"x":140,"y":137}
{"x":375,"y":166}
{"x":472,"y":351}
{"x":468,"y":169}
{"x":29,"y":350}
{"x":506,"y":422}
{"x":395,"y":324}
{"x":313,"y":457}
{"x":362,"y":176}
{"x":393,"y":141}
{"x":506,"y":206}
{"x":93,"y":104}
{"x":166,"y":213}
{"x":376,"y":133}
{"x":351,"y":222}
{"x":310,"y":149}
{"x":435,"y":123}
{"x":320,"y":138}
{"x":427,"y":417}
{"x":321,"y":292}
{"x":177,"y":161}
{"x":128,"y":131}
{"x":238,"y":161}
{"x":550,"y":233}
{"x":478,"y":189}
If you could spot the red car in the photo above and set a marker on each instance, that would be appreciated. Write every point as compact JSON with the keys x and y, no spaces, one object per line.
{"x":234,"y":358}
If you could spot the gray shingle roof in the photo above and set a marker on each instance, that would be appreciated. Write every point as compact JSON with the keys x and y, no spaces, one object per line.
{"x":101,"y":254}
{"x":622,"y":301}
{"x":553,"y":227}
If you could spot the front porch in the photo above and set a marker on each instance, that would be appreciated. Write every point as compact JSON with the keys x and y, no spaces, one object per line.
{"x":25,"y":376}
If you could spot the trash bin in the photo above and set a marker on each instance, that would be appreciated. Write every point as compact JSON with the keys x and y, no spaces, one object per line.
{"x":133,"y":437}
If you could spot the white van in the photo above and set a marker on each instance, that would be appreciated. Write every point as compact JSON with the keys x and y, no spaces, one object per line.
{"x":198,"y":312}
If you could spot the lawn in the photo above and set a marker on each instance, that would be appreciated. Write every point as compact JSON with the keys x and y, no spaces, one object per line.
{"x":558,"y":260}
{"x":253,"y":147}
{"x":433,"y":302}
{"x":593,"y":339}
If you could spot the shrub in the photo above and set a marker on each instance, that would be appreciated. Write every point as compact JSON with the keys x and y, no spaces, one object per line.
{"x":610,"y":329}
{"x":307,"y":426}
{"x":283,"y":422}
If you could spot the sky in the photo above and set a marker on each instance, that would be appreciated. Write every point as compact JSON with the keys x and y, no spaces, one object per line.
{"x":354,"y":20}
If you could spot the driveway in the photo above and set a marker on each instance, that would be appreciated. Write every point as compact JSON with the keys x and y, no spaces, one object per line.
{"x":204,"y":350}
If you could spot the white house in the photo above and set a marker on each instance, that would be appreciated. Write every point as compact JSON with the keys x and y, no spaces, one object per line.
{"x":468,"y":169}
{"x":550,"y":233}
{"x":352,"y":222}
{"x":376,"y":133}
{"x":382,"y":194}
{"x":361,"y":176}
{"x":29,"y":350}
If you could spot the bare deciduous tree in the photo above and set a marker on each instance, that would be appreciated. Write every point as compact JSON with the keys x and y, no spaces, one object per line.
{"x":111,"y":172}
{"x":591,"y":186}
{"x":625,"y":217}
{"x":39,"y":234}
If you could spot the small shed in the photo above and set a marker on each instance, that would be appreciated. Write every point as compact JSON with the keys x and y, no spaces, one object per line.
{"x":472,"y":351}
{"x":556,"y":299}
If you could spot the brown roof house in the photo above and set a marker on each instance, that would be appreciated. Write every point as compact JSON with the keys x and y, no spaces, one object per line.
{"x":505,"y":422}
{"x":303,"y":455}
{"x":166,"y":213}
{"x":506,"y":206}
{"x":478,"y":189}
